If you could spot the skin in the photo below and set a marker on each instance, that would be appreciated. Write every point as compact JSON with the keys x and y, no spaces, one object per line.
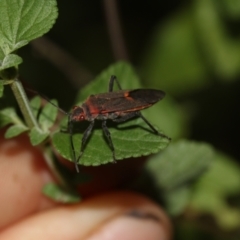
{"x":104,"y":213}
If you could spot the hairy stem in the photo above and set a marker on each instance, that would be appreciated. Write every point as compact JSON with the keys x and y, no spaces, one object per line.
{"x":23,"y":103}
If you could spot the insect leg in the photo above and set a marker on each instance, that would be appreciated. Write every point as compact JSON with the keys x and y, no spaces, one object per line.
{"x":151,"y":126}
{"x":86,"y":135}
{"x":125,"y":117}
{"x":111,"y":82}
{"x":70,"y":129}
{"x":108,"y":135}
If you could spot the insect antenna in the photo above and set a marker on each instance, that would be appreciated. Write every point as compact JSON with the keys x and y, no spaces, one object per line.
{"x":47,"y":99}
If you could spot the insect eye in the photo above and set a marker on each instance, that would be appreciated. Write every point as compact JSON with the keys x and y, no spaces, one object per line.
{"x":82,"y":117}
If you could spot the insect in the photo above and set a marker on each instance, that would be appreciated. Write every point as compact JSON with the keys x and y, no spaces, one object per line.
{"x":117,"y":106}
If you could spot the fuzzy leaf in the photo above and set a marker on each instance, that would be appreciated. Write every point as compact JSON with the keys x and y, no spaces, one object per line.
{"x":15,"y":130}
{"x":37,"y":136}
{"x":48,"y":115}
{"x":5,"y":117}
{"x":10,"y":60}
{"x":35,"y":104}
{"x":23,"y":21}
{"x":131,"y":139}
{"x":58,"y":194}
{"x":8,"y":115}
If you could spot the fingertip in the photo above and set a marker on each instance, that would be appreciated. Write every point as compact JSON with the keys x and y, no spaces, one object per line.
{"x":97,"y":218}
{"x":23,"y":174}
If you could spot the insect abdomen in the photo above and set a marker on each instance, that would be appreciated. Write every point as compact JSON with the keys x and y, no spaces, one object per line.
{"x":150,"y":96}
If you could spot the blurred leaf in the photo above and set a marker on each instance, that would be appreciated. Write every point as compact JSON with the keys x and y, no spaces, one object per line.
{"x":168,"y":177}
{"x":221,"y":51}
{"x":213,"y":189}
{"x":15,"y":130}
{"x":37,"y":136}
{"x":48,"y":115}
{"x":23,"y":21}
{"x":131,"y":139}
{"x":173,"y":61}
{"x":60,"y":195}
{"x":10,"y":60}
{"x":231,"y":8}
{"x":177,"y":200}
{"x":181,"y":162}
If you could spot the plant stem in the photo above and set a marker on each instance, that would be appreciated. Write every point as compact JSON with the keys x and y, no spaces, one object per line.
{"x":115,"y":30}
{"x":23,"y":103}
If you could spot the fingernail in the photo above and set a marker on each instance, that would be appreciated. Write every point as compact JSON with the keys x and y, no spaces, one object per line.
{"x":143,"y":215}
{"x":130,"y":227}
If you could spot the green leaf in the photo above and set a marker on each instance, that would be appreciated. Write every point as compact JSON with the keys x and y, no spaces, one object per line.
{"x":23,"y":21}
{"x":211,"y":192}
{"x":1,"y":88}
{"x":177,"y":200}
{"x":37,"y":136}
{"x":15,"y":130}
{"x":131,"y":139}
{"x":221,"y":49}
{"x":10,"y":60}
{"x":35,"y":104}
{"x":231,"y":8}
{"x":48,"y":115}
{"x":58,"y":194}
{"x":172,"y":171}
{"x":173,"y":61}
{"x":9,"y":115}
{"x":182,"y":161}
{"x":5,"y":119}
{"x":47,"y":118}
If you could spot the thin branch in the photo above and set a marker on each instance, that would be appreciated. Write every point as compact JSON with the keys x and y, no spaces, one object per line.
{"x":71,"y":68}
{"x":115,"y":31}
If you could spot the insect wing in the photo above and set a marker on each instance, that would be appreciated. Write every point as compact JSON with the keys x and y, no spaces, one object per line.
{"x":125,"y":101}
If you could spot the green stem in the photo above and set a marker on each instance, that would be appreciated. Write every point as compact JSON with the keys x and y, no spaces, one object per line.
{"x":23,"y":103}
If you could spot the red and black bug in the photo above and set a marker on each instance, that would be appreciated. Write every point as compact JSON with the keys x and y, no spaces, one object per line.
{"x":117,"y":106}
